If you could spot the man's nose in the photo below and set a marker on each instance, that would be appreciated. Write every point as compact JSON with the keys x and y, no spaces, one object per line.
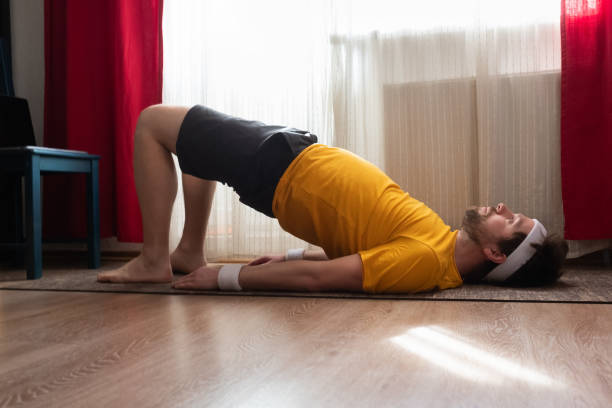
{"x":503,"y":210}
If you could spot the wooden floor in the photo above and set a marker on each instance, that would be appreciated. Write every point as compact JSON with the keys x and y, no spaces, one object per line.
{"x":130,"y":350}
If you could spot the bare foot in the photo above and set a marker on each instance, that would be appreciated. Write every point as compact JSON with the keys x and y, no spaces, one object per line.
{"x":138,"y":270}
{"x":183,"y":261}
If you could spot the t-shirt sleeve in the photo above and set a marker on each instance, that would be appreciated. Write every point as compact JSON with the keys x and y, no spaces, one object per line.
{"x":406,"y":266}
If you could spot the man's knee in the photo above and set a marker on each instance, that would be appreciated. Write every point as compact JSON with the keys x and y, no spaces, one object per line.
{"x":147,"y":118}
{"x":162,"y":123}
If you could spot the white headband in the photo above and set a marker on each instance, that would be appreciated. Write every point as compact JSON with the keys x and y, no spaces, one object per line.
{"x":519,"y":256}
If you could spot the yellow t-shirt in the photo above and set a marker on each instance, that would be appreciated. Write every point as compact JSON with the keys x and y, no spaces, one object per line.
{"x":346,"y":205}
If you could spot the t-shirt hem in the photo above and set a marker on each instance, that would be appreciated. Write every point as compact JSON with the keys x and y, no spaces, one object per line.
{"x":287,"y":175}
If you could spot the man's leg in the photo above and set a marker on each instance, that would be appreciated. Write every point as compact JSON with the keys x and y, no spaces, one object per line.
{"x":155,"y":177}
{"x":189,"y":254}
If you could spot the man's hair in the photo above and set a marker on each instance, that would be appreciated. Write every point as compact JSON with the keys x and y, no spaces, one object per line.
{"x":544,"y":267}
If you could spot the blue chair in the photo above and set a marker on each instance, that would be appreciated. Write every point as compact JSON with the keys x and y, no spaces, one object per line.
{"x":20,"y":157}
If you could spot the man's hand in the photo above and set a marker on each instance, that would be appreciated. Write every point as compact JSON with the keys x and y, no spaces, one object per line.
{"x":203,"y":278}
{"x":267,"y":259}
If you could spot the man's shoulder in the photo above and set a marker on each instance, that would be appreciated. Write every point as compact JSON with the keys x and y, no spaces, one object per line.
{"x":411,"y":250}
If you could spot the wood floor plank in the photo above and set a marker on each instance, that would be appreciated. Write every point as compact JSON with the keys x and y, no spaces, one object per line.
{"x":84,"y":349}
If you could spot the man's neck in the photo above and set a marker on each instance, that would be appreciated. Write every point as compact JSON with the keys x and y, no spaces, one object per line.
{"x":468,"y":254}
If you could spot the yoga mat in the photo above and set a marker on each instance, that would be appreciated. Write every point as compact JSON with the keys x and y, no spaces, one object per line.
{"x":580,"y":284}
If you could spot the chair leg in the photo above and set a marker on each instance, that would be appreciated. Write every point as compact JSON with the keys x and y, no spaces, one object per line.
{"x":33,"y":219}
{"x":93,"y":218}
{"x":18,"y":255}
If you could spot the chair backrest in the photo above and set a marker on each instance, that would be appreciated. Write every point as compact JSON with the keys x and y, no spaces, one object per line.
{"x":15,"y":122}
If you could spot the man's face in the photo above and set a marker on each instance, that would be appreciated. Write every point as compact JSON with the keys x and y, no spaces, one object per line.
{"x":490,"y":225}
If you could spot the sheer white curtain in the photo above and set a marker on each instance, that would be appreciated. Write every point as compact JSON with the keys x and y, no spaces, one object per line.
{"x":264,"y":60}
{"x":466,"y":94}
{"x":459,"y":101}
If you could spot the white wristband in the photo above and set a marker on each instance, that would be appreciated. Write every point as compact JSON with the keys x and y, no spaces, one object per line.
{"x":294,"y":254}
{"x":228,"y":277}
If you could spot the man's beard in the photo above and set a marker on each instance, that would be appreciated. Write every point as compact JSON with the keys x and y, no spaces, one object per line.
{"x":472,"y":222}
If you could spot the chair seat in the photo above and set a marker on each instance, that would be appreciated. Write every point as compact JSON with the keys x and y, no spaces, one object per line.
{"x":50,"y":159}
{"x":52,"y":151}
{"x":45,"y":152}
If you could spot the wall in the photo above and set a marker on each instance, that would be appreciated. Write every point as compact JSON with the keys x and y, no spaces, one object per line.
{"x":27,"y":32}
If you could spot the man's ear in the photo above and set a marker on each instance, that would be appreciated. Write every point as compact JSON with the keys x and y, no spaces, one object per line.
{"x":494,"y":254}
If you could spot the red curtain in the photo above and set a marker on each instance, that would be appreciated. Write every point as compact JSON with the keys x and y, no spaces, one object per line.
{"x":586,"y":118}
{"x":103,"y":65}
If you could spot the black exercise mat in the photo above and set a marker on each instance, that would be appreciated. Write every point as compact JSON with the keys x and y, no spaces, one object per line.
{"x":579,"y":284}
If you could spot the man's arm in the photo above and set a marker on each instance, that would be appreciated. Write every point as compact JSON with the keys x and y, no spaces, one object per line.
{"x":342,"y":274}
{"x":309,"y":255}
{"x":315,"y":255}
{"x":315,"y":276}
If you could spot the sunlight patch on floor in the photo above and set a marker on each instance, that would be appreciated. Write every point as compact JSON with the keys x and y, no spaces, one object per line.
{"x":467,"y":360}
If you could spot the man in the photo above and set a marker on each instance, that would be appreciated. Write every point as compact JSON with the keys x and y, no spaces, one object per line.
{"x":376,"y":238}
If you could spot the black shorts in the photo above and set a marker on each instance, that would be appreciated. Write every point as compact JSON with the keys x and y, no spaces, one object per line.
{"x":248,"y":156}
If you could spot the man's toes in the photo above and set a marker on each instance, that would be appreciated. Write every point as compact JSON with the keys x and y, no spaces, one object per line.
{"x":102,"y":277}
{"x":108,"y":276}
